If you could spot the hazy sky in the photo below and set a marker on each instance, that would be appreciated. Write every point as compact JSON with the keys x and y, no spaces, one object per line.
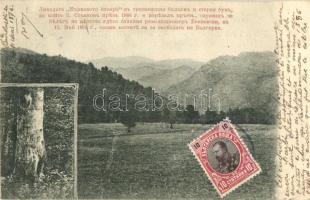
{"x":251,"y":29}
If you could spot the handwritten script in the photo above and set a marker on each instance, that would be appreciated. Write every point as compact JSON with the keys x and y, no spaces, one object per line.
{"x":8,"y":31}
{"x":15,"y":24}
{"x":293,"y":157}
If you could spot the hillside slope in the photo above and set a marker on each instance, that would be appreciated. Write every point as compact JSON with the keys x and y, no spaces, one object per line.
{"x":163,"y":79}
{"x":21,"y":66}
{"x":246,"y":80}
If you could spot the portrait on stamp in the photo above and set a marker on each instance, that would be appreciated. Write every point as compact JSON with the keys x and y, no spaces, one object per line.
{"x":223,"y":156}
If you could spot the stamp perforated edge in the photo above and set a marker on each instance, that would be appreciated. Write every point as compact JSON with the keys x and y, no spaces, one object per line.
{"x":246,"y":148}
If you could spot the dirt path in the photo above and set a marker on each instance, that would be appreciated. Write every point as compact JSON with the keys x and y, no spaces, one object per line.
{"x":113,"y":150}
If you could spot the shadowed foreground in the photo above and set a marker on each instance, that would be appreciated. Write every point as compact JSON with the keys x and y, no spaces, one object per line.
{"x":154,"y":161}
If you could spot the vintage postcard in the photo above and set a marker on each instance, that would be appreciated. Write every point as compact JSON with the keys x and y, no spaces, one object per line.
{"x":38,"y":141}
{"x":155,"y":78}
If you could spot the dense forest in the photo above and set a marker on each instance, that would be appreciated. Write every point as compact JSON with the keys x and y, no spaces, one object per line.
{"x":23,"y":66}
{"x":28,"y":67}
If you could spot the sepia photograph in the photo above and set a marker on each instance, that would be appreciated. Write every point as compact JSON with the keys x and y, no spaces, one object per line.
{"x":38,"y":141}
{"x":132,"y":139}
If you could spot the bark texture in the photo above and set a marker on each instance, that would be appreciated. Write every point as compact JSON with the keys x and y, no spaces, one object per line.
{"x":23,"y":148}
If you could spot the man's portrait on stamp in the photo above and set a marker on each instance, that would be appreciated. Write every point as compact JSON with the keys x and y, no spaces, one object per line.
{"x":223,"y":156}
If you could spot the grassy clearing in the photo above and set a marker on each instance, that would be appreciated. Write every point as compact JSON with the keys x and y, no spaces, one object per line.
{"x":154,"y":161}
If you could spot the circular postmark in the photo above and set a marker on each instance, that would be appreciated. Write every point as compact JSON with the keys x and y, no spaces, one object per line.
{"x":223,"y":155}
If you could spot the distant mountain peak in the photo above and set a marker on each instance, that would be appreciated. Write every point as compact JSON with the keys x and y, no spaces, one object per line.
{"x":140,"y":61}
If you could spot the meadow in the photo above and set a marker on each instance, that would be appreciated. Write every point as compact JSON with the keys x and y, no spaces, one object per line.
{"x":154,"y":162}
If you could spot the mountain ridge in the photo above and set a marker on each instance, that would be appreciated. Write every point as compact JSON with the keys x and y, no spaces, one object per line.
{"x":234,"y":79}
{"x":139,"y":61}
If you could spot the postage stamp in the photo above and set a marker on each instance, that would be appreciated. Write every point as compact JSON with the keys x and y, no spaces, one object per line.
{"x":224,"y":157}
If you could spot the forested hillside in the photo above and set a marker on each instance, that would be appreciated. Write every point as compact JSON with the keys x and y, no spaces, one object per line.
{"x":234,"y":79}
{"x":22,"y":66}
{"x":248,"y":80}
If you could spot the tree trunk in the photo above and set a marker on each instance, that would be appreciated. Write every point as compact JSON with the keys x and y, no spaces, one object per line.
{"x":29,"y":145}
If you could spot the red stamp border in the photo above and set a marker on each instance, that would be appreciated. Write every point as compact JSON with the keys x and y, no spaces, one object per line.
{"x":247,"y":168}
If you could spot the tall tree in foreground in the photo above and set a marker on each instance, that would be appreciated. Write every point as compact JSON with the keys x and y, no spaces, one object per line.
{"x":27,"y":154}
